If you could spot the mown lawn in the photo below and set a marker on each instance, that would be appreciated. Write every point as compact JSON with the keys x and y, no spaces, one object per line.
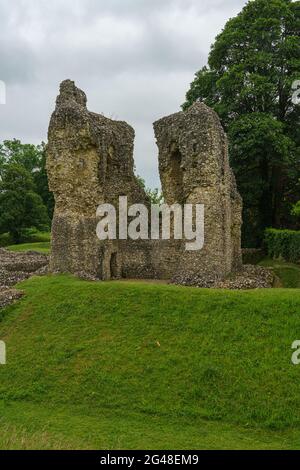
{"x":31,"y":241}
{"x":28,"y":236}
{"x":42,"y":247}
{"x":138,"y":365}
{"x":31,"y":426}
{"x":287,"y":273}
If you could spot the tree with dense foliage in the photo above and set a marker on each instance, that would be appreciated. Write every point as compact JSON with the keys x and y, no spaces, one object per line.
{"x":41,"y":182}
{"x":21,"y":207}
{"x":249,"y":79}
{"x":27,"y":155}
{"x":33,"y":159}
{"x":155,"y":195}
{"x":296,"y":210}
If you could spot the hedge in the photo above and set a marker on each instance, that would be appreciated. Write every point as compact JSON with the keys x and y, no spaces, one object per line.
{"x":28,"y":235}
{"x":283,"y":244}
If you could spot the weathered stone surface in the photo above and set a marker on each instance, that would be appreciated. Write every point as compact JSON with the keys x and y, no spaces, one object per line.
{"x":90,"y":162}
{"x":9,"y":296}
{"x":16,"y":267}
{"x":194,"y":169}
{"x":248,"y":277}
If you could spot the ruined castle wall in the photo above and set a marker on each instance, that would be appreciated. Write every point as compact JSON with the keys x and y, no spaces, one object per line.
{"x":90,"y":162}
{"x":194,"y":169}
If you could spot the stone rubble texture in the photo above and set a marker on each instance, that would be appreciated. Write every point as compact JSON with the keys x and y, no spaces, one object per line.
{"x":16,"y":267}
{"x":90,"y":162}
{"x":194,"y":169}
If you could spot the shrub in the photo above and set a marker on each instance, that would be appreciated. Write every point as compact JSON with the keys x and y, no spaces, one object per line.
{"x":283,"y":244}
{"x":5,"y":239}
{"x":252,"y":255}
{"x":296,"y":210}
{"x":28,"y":235}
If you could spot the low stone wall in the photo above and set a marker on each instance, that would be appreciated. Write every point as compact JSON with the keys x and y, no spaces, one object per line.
{"x":16,"y":267}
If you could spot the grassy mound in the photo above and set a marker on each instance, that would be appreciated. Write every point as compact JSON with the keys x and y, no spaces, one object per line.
{"x":128,"y":364}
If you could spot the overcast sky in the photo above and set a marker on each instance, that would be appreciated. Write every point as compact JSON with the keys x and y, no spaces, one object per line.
{"x":134,"y":59}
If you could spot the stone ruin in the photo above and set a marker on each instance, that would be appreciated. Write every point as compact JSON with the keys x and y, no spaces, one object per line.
{"x":16,"y":267}
{"x":90,"y":162}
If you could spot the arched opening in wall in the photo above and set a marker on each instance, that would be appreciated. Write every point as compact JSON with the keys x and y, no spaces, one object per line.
{"x":176,"y":175}
{"x":113,"y":266}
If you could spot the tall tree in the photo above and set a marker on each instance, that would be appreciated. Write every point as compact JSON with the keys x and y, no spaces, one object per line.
{"x":251,"y":70}
{"x":21,"y":207}
{"x":28,"y":155}
{"x":41,"y":182}
{"x":33,"y":159}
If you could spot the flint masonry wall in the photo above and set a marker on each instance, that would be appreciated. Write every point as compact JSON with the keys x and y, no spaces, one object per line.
{"x":194,"y":169}
{"x":90,"y":162}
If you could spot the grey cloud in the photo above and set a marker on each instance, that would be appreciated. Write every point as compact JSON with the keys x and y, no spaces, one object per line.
{"x":134,"y":58}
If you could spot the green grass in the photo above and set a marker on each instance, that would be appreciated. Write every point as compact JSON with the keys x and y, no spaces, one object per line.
{"x":42,"y":247}
{"x":139,"y":365}
{"x":31,"y":426}
{"x":32,"y":240}
{"x":287,"y":273}
{"x":28,"y":236}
